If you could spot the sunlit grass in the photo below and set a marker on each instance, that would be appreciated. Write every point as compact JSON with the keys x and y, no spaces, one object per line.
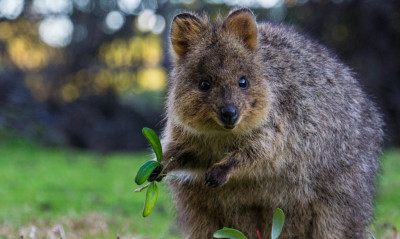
{"x":388,"y":194}
{"x":48,"y":184}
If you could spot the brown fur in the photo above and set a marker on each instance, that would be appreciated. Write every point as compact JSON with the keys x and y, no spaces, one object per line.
{"x":307,"y":139}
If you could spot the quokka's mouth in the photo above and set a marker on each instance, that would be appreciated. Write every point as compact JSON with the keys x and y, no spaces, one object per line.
{"x":226,"y":126}
{"x":229,"y":126}
{"x":228,"y":123}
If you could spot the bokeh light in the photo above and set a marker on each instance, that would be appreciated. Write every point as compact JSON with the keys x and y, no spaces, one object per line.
{"x":46,"y":7}
{"x":159,"y":25}
{"x":129,"y":6}
{"x":84,"y":5}
{"x":27,"y":55}
{"x":11,"y":9}
{"x":146,"y":20}
{"x":56,"y":31}
{"x":114,"y":21}
{"x":120,"y":55}
{"x":152,"y":78}
{"x":269,"y":3}
{"x":149,"y":21}
{"x":247,"y":3}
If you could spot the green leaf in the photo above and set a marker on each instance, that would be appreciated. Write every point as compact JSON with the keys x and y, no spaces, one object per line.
{"x":229,"y":233}
{"x":277,"y":223}
{"x":151,"y":198}
{"x":154,"y":141}
{"x":145,"y":171}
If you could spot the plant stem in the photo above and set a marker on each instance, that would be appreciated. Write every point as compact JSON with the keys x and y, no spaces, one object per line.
{"x":258,"y":234}
{"x":141,"y":188}
{"x":162,"y":171}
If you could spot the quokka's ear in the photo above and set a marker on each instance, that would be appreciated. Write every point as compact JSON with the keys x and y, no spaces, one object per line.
{"x":186,"y":29}
{"x":242,"y":23}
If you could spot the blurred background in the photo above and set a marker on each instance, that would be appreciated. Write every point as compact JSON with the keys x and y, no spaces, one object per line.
{"x":89,"y":74}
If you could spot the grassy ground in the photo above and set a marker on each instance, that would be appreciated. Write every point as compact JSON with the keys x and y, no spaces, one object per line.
{"x":388,"y":194}
{"x":43,"y":187}
{"x":51,"y":191}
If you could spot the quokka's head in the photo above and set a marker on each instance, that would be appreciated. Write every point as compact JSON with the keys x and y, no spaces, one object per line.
{"x":217,"y":83}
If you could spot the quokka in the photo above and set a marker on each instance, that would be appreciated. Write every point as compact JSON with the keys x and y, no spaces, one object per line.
{"x":260,"y":117}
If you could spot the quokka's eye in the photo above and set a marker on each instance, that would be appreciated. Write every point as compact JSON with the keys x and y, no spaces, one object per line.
{"x":204,"y":85}
{"x":243,"y":83}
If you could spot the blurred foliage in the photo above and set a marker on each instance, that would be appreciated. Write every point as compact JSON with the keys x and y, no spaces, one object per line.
{"x":71,"y":55}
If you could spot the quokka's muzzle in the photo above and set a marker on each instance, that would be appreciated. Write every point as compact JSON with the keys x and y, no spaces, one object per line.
{"x":229,"y":116}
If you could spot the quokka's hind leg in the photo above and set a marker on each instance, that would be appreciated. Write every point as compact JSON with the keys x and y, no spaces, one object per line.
{"x":197,"y":224}
{"x":338,"y":220}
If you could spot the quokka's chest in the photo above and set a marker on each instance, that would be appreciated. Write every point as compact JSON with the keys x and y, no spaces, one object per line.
{"x":206,"y":151}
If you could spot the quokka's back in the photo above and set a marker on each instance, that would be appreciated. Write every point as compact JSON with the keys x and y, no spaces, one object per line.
{"x":259,"y":117}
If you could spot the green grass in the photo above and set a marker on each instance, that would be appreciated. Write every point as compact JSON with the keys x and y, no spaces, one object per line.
{"x":388,"y":194}
{"x":83,"y":191}
{"x":48,"y":184}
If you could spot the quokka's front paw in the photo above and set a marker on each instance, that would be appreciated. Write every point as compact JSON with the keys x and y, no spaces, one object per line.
{"x":155,"y":175}
{"x":216,"y":176}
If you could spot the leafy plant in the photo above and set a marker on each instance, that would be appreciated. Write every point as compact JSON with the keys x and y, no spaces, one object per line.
{"x":146,"y":169}
{"x":151,"y":198}
{"x":277,"y":225}
{"x":229,"y":233}
{"x":153,"y":139}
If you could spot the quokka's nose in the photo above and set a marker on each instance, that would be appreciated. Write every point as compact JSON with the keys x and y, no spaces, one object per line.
{"x":229,"y":115}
